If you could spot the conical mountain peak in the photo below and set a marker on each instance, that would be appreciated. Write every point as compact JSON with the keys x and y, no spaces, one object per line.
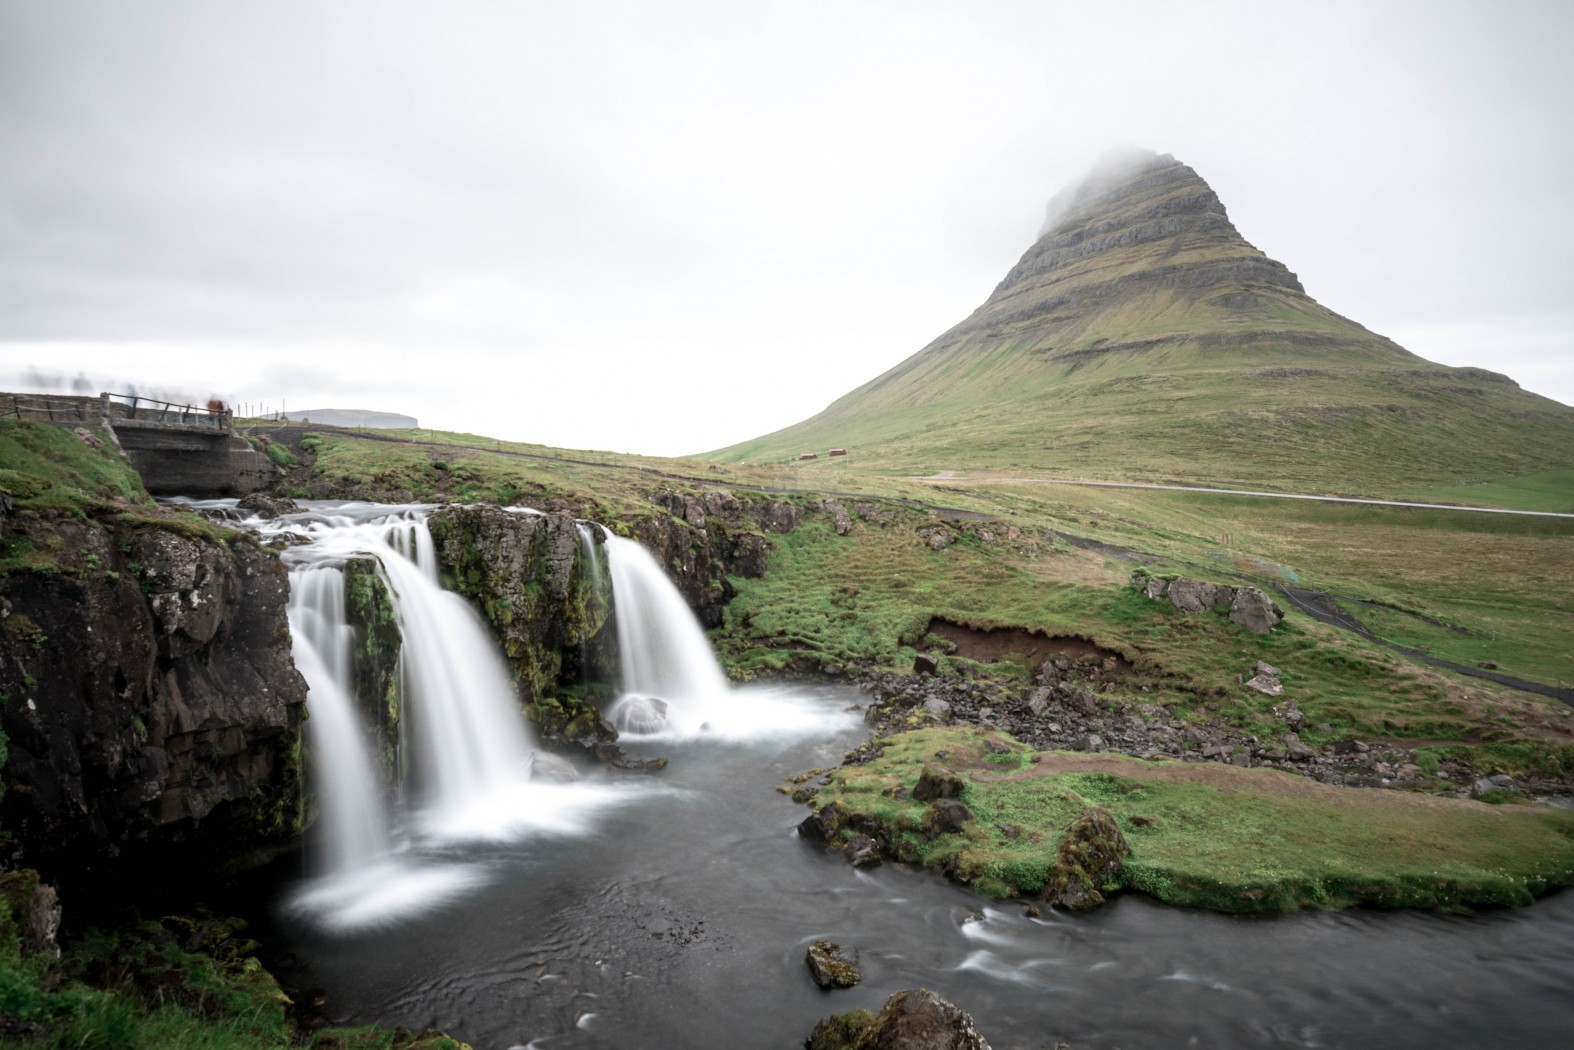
{"x":1142,"y":335}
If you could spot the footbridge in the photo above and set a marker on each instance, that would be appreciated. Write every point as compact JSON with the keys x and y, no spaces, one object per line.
{"x":178,"y":449}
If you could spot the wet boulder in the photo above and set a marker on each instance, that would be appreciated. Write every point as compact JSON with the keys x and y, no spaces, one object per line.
{"x":833,"y":966}
{"x":824,"y":824}
{"x":913,"y":1019}
{"x":861,"y":851}
{"x":266,"y":506}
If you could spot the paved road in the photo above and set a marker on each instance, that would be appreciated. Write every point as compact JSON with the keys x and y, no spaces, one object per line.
{"x":950,"y":476}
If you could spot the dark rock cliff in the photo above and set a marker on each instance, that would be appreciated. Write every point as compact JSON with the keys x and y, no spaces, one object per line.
{"x":147,"y":693}
{"x":553,"y":615}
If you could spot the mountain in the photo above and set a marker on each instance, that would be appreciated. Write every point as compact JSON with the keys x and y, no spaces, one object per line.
{"x":1142,"y":337}
{"x":356,"y":417}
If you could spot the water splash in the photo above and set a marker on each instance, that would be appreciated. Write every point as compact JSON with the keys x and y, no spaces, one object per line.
{"x":670,"y":676}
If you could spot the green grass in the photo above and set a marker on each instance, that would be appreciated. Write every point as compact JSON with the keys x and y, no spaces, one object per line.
{"x":1551,"y":490}
{"x":1233,"y":840}
{"x":865,"y":599}
{"x":47,"y":467}
{"x":143,"y":986}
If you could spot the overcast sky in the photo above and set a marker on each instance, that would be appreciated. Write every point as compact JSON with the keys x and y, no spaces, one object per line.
{"x":667,"y":227}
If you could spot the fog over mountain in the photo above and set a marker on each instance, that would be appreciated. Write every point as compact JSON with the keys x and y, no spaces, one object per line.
{"x":708,"y":219}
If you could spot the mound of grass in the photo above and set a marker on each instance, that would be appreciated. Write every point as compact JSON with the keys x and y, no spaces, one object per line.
{"x":1211,"y":835}
{"x":47,"y":467}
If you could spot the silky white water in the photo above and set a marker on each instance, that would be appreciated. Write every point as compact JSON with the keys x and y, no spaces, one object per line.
{"x":472,"y":770}
{"x":353,"y":823}
{"x":672,"y":684}
{"x":670,"y":676}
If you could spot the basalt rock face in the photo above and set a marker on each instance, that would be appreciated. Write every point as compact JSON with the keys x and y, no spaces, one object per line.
{"x":703,"y":539}
{"x":525,"y":572}
{"x":151,"y":697}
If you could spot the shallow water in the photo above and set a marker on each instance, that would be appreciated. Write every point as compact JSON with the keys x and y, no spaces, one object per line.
{"x":680,"y":918}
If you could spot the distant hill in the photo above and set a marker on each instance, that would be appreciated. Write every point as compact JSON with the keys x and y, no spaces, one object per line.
{"x":1143,"y":337}
{"x":356,"y":417}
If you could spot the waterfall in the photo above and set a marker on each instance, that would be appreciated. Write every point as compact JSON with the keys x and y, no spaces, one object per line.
{"x":353,"y":823}
{"x":670,"y":676}
{"x":473,"y":747}
{"x":471,"y":756}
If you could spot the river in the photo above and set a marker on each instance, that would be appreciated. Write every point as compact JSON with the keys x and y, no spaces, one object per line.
{"x":679,"y":917}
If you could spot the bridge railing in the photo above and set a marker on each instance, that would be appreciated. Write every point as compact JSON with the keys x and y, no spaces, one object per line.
{"x":151,"y":410}
{"x":53,"y":410}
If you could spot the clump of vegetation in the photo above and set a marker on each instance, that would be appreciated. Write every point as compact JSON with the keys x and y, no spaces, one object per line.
{"x":177,"y":982}
{"x":1207,"y":835}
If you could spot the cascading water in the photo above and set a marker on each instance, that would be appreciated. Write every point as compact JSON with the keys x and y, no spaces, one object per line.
{"x":473,"y":756}
{"x":670,"y":676}
{"x":353,"y":825}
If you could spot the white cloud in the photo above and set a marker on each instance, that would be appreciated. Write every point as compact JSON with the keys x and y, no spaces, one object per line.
{"x":669,"y":227}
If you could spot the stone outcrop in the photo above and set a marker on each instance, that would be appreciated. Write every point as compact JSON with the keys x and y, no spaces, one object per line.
{"x":1087,"y":861}
{"x":913,"y":1019}
{"x":524,"y":572}
{"x":1248,"y":607}
{"x":832,"y":966}
{"x":151,"y":696}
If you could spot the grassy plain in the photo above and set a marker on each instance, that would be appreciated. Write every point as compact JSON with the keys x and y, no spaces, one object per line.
{"x":1465,"y":587}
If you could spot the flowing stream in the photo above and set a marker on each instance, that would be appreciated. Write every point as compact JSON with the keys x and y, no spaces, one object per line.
{"x":684,"y":920}
{"x":614,"y":909}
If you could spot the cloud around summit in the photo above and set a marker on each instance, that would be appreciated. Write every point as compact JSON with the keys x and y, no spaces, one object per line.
{"x":668,"y":229}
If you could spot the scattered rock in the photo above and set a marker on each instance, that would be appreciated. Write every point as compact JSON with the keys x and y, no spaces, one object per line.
{"x":861,"y":852}
{"x":1195,"y":596}
{"x":1255,"y":611}
{"x":1267,"y":684}
{"x":1266,"y":668}
{"x":832,"y":965}
{"x":840,"y":519}
{"x":936,"y":781}
{"x":1297,"y":751}
{"x":266,"y":506}
{"x":939,"y":540}
{"x":945,"y":816}
{"x":781,"y":517}
{"x":823,"y":824}
{"x":1290,"y":714}
{"x":923,"y":663}
{"x":1089,"y":858}
{"x":1155,"y":587}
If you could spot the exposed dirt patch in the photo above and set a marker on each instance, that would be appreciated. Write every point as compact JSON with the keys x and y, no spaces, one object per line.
{"x":989,"y":645}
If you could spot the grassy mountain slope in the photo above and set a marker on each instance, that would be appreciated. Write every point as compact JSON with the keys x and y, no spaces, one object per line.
{"x":1142,"y":337}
